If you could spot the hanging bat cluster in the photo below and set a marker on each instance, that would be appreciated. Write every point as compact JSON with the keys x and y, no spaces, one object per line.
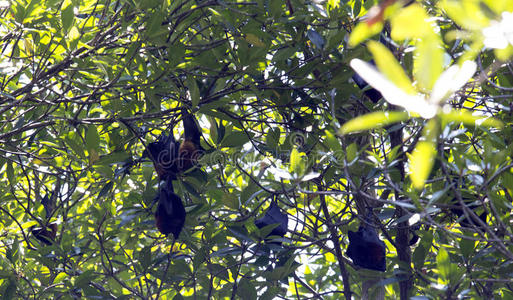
{"x":274,"y":215}
{"x":366,"y":249}
{"x":171,"y":158}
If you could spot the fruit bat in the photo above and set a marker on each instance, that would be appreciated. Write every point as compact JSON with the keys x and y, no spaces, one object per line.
{"x":274,"y":216}
{"x":164,"y":154}
{"x":170,"y":213}
{"x":190,"y":149}
{"x":171,"y":157}
{"x":366,"y":249}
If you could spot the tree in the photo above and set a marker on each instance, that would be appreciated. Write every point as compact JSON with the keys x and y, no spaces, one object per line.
{"x":87,"y":85}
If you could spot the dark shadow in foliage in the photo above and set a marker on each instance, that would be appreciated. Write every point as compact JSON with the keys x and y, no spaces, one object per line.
{"x":415,"y":237}
{"x":459,"y":184}
{"x":279,"y":267}
{"x":474,"y":205}
{"x":468,"y":198}
{"x":170,"y":213}
{"x":170,"y":157}
{"x":276,"y":218}
{"x":366,"y":249}
{"x":373,"y":94}
{"x":45,"y":234}
{"x":49,"y":204}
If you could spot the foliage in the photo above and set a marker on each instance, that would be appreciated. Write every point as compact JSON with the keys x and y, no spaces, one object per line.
{"x":86,"y":85}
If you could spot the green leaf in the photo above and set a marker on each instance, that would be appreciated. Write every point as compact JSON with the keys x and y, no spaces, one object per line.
{"x":467,"y":118}
{"x":272,"y":291}
{"x":357,"y":8}
{"x":267,"y":229}
{"x":29,"y":9}
{"x":218,"y":270}
{"x":154,"y":23}
{"x":145,"y":257}
{"x":9,"y":288}
{"x":445,"y":267}
{"x":208,"y":108}
{"x":105,"y":189}
{"x":13,"y":252}
{"x":373,"y":120}
{"x":275,"y":8}
{"x":10,"y":173}
{"x":316,"y":38}
{"x":246,"y":290}
{"x":235,"y":139}
{"x":295,"y":161}
{"x":85,"y":278}
{"x":193,"y":90}
{"x":283,"y":54}
{"x":467,"y":247}
{"x":332,"y":141}
{"x":390,"y":67}
{"x":92,"y":139}
{"x":410,"y":23}
{"x":231,"y":200}
{"x":363,"y":31}
{"x":67,"y":15}
{"x":249,"y":193}
{"x":351,"y":152}
{"x":421,"y":162}
{"x":419,"y":255}
{"x":114,"y":157}
{"x":272,"y":138}
{"x":241,"y":233}
{"x":429,"y":61}
{"x":466,"y":13}
{"x":19,"y":11}
{"x":254,"y":40}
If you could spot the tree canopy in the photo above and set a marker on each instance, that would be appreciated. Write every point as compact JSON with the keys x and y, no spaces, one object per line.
{"x":86,"y":86}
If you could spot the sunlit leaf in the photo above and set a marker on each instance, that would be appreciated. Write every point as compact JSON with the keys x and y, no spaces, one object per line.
{"x":67,"y":15}
{"x":332,"y":141}
{"x":469,"y":119}
{"x":410,"y":23}
{"x":363,"y":31}
{"x":429,"y":62}
{"x":421,"y":162}
{"x":295,"y":160}
{"x":253,"y":39}
{"x":466,"y":13}
{"x":373,"y":120}
{"x":390,"y":67}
